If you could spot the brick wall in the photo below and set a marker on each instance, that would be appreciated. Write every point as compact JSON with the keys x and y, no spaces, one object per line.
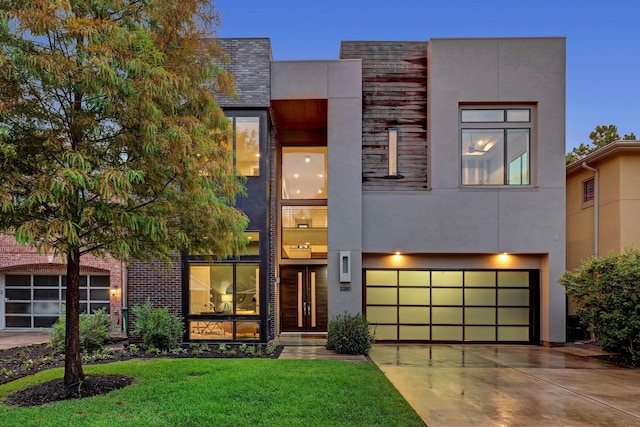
{"x":16,"y":258}
{"x":155,"y":281}
{"x":251,"y":68}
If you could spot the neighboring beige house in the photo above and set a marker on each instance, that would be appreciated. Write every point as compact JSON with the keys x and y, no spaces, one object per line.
{"x":603,"y":194}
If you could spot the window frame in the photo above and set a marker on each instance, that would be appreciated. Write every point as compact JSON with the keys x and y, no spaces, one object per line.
{"x":586,"y":200}
{"x":229,"y":317}
{"x":233,"y":116}
{"x":505,"y":125}
{"x":88,"y":302}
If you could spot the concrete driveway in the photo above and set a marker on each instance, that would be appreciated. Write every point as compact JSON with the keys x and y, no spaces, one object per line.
{"x":21,"y":339}
{"x":489,"y":385}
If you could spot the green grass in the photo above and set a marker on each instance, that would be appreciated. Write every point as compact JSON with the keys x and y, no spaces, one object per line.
{"x":225,"y":392}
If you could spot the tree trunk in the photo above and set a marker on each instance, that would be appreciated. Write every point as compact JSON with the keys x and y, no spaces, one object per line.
{"x":73,"y":374}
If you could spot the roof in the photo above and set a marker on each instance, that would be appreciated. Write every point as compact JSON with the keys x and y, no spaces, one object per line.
{"x":610,"y":150}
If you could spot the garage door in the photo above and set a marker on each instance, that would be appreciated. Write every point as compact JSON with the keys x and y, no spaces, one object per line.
{"x":452,"y":306}
{"x":36,"y":301}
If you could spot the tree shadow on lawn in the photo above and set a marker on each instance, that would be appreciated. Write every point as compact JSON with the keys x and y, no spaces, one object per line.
{"x":22,"y":361}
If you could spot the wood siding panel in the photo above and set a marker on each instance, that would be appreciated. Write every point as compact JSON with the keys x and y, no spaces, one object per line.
{"x":394,"y":95}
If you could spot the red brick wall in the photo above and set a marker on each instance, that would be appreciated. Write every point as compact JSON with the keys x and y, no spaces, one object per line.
{"x":155,"y":281}
{"x":24,"y":259}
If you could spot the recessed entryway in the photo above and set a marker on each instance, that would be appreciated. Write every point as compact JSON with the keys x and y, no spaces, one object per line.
{"x":303,"y":298}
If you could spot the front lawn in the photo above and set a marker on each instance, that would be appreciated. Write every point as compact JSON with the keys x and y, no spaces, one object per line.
{"x":225,"y":392}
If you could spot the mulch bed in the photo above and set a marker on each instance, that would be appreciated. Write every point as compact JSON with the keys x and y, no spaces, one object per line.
{"x":22,"y":361}
{"x":55,"y":390}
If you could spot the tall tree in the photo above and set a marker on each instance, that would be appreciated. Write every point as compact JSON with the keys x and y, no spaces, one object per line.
{"x":601,"y":136}
{"x":111,"y":140}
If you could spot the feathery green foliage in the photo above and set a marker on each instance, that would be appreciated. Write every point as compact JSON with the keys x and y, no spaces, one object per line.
{"x":601,"y":136}
{"x":111,"y":140}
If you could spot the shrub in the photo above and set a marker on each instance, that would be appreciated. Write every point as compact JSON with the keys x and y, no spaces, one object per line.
{"x":350,"y":334}
{"x":94,"y":331}
{"x":158,"y":327}
{"x":605,"y":293}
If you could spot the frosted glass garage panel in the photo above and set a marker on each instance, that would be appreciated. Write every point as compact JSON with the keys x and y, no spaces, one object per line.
{"x":480,"y":278}
{"x":446,"y":296}
{"x":418,"y":315}
{"x":513,"y":333}
{"x":480,"y":297}
{"x":386,"y":332}
{"x":382,"y":314}
{"x":480,"y":316}
{"x":385,"y":296}
{"x":414,"y":333}
{"x":382,"y":278}
{"x":446,"y":315}
{"x":414,"y":278}
{"x":446,"y":333}
{"x":480,"y":333}
{"x":513,"y":279}
{"x":513,"y":316}
{"x":446,"y":278}
{"x":513,"y":297}
{"x":414,"y":296}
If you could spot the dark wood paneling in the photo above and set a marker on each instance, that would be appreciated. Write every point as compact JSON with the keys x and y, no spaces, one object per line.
{"x":394,"y":91}
{"x":289,"y":298}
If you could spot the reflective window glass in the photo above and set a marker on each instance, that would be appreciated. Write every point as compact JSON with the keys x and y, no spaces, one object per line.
{"x":382,"y":277}
{"x":518,"y":115}
{"x":304,"y":232}
{"x":247,"y":151}
{"x":482,"y":116}
{"x":304,"y":173}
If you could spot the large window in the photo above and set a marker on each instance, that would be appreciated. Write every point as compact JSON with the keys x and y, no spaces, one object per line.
{"x":303,"y":216}
{"x":496,"y":146}
{"x":36,"y":301}
{"x":304,"y":232}
{"x":246,"y":145}
{"x":223,"y":298}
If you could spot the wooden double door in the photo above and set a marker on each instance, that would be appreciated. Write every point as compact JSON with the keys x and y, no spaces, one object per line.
{"x":303,"y":298}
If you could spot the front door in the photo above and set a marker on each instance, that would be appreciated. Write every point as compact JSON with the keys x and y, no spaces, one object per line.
{"x":303,"y":298}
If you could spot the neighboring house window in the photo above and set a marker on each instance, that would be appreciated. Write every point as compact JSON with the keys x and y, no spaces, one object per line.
{"x":496,"y":146}
{"x":588,"y":190}
{"x":246,"y":145}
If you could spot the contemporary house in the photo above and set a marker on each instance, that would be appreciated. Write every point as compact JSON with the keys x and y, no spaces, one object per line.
{"x":603,"y":202}
{"x":419,"y":183}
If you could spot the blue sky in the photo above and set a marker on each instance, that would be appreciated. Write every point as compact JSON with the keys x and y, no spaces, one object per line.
{"x":603,"y":40}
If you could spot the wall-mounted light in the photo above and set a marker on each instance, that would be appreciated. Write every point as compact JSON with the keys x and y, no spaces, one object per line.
{"x":345,"y":266}
{"x":114,"y":291}
{"x":393,"y":152}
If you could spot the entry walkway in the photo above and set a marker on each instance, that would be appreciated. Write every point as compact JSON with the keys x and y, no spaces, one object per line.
{"x":490,"y":385}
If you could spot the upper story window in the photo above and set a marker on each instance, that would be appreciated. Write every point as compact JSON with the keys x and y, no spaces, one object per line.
{"x":495,"y":146}
{"x":588,"y":190}
{"x":246,"y":145}
{"x":304,"y":173}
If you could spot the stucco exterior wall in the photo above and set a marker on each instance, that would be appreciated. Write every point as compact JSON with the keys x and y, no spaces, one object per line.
{"x":619,"y":202}
{"x":457,"y":220}
{"x":339,"y":82}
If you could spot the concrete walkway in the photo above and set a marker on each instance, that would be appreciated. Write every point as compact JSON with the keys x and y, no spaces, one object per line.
{"x":21,"y":339}
{"x":488,"y":385}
